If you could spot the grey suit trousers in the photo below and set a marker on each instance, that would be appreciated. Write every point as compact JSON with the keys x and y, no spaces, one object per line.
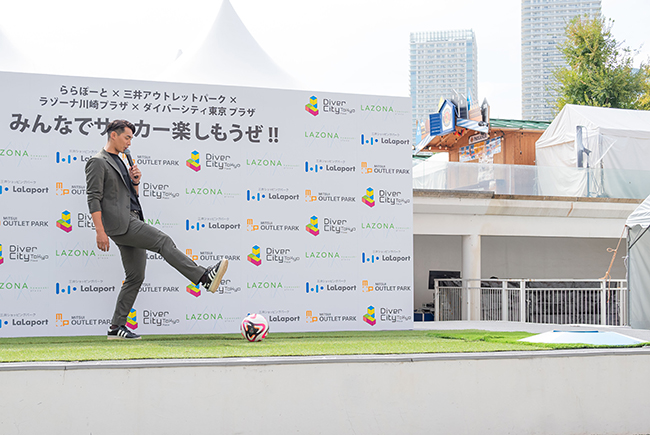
{"x":133,"y":245}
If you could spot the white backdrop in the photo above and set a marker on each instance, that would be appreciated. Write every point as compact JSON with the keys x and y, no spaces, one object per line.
{"x":225,"y":170}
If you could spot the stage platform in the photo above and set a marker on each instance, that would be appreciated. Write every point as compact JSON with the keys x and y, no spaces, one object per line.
{"x":534,"y":392}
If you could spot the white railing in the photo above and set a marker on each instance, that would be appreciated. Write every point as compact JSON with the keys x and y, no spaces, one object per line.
{"x":588,"y":302}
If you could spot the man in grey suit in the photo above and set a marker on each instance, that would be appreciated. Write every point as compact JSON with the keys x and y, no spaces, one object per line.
{"x":113,"y":202}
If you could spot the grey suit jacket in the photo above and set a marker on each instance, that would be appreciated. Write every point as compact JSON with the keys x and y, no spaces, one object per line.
{"x":107,"y":192}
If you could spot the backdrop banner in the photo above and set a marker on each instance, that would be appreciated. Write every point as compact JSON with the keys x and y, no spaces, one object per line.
{"x":308,"y":195}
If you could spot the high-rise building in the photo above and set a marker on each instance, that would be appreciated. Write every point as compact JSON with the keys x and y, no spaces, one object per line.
{"x":542,"y":28}
{"x":443,"y":64}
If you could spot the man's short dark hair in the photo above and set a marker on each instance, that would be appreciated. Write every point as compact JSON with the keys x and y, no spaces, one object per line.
{"x":118,"y":126}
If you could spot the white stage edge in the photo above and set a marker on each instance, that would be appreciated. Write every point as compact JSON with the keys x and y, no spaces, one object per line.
{"x":543,"y":392}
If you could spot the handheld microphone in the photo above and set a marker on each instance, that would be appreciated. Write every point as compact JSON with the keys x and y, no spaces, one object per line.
{"x":127,"y":153}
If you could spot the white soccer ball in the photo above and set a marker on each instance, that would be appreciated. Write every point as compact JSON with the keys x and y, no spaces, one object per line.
{"x":254,"y":327}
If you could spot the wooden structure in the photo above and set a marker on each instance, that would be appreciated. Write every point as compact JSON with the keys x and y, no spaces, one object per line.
{"x":517,"y":143}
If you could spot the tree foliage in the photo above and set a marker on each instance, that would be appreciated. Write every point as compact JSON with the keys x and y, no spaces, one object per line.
{"x":599,"y":72}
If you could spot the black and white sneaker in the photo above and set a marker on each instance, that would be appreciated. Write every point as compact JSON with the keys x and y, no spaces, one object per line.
{"x":121,"y":332}
{"x":214,"y":275}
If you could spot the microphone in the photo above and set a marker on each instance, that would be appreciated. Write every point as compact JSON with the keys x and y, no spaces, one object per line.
{"x":127,"y":153}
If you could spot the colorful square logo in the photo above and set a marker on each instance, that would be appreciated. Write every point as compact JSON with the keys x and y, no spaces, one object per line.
{"x":132,"y":319}
{"x":369,"y":198}
{"x":369,"y":317}
{"x":312,"y":106}
{"x":64,"y":223}
{"x":2,"y":260}
{"x":194,"y":290}
{"x":312,"y":226}
{"x":193,"y":162}
{"x":255,"y":257}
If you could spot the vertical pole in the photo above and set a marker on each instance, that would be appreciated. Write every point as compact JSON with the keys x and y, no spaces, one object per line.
{"x":504,"y":301}
{"x":436,"y":301}
{"x":603,"y":303}
{"x":472,"y":274}
{"x":522,"y":301}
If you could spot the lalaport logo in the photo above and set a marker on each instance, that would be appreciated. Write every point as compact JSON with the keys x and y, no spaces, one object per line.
{"x":384,"y":139}
{"x":193,"y":162}
{"x":329,"y":166}
{"x":64,"y":223}
{"x":62,"y":289}
{"x":330,"y":285}
{"x":312,"y":106}
{"x":313,"y":288}
{"x":212,"y":223}
{"x":24,"y":187}
{"x":389,"y":256}
{"x":271,"y":194}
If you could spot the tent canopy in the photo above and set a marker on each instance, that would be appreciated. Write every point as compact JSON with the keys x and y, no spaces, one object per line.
{"x":620,"y":138}
{"x":613,"y":144}
{"x":229,"y":55}
{"x":640,"y":216}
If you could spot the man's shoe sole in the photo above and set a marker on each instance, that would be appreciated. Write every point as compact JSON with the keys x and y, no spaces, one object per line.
{"x":216,"y":282}
{"x":115,"y":337}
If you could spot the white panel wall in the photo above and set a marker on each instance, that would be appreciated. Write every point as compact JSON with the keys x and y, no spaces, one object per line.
{"x":598,"y":391}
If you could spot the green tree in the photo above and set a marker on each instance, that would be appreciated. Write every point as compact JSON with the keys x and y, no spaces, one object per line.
{"x":598,"y":72}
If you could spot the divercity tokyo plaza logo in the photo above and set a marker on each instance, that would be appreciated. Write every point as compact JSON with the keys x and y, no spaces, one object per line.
{"x":312,"y":106}
{"x":193,"y":162}
{"x":64,"y":223}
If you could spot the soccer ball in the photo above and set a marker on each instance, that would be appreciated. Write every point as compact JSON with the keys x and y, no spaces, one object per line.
{"x":254,"y":327}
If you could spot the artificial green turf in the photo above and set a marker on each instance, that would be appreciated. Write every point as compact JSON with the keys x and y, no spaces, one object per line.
{"x":96,"y":348}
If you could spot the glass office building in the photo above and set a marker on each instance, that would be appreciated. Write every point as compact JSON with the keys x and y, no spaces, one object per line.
{"x":443,"y":64}
{"x":542,"y":28}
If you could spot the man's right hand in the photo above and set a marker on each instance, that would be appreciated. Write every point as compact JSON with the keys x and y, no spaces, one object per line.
{"x":102,"y":241}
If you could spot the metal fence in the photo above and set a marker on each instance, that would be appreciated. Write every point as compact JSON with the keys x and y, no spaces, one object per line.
{"x":596,"y":302}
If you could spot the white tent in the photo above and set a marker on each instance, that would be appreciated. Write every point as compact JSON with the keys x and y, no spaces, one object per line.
{"x":229,"y":56}
{"x":614,"y":144}
{"x":10,"y":58}
{"x":638,"y":265}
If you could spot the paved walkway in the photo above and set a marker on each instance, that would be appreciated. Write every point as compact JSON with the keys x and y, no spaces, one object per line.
{"x":538,"y":328}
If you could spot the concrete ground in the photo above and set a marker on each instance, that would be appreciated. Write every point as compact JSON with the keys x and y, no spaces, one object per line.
{"x":538,"y":328}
